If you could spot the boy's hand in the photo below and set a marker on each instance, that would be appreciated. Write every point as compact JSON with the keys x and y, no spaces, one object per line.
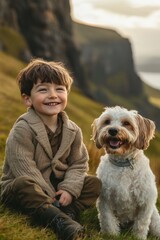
{"x":65,"y":197}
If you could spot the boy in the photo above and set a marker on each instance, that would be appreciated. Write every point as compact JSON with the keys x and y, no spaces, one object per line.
{"x":46,"y":158}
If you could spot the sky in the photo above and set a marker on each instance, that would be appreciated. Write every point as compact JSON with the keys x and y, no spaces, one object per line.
{"x":138,"y":20}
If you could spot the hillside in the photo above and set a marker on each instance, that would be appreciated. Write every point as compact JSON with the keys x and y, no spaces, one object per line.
{"x":14,"y":226}
{"x":153,"y":95}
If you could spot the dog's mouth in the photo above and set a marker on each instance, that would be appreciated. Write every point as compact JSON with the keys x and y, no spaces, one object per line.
{"x":115,"y":143}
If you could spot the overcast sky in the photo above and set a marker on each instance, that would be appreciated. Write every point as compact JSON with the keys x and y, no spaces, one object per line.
{"x":139,"y":20}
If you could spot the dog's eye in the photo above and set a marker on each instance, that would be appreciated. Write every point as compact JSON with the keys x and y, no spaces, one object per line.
{"x":107,"y":122}
{"x":126,"y":123}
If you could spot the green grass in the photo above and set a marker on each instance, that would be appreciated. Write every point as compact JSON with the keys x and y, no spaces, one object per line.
{"x":155,"y":101}
{"x":153,"y":95}
{"x":15,"y":226}
{"x":12,"y":42}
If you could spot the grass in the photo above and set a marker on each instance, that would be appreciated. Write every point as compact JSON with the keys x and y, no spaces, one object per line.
{"x":153,"y":95}
{"x":15,"y":226}
{"x":155,"y":101}
{"x":12,"y":42}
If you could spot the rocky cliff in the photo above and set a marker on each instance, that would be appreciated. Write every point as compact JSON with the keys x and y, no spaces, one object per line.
{"x":47,"y":27}
{"x":108,"y":61}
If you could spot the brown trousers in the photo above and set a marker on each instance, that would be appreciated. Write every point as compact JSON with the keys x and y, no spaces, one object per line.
{"x":29,"y":196}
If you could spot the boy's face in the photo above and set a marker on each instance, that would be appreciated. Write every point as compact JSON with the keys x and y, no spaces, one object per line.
{"x":47,"y":99}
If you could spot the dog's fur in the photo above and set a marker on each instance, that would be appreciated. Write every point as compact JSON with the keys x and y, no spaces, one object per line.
{"x":129,"y":192}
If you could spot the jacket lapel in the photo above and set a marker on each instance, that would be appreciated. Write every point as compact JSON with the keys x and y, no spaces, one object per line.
{"x":38,"y":127}
{"x":42,"y":138}
{"x":67,"y":139}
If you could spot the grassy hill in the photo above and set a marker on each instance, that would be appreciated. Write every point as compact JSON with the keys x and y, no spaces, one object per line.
{"x":14,"y":226}
{"x":153,"y":95}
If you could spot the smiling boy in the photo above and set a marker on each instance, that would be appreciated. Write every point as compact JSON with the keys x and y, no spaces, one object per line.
{"x":46,"y":158}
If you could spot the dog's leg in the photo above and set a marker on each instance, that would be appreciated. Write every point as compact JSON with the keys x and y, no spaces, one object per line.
{"x":108,"y":222}
{"x":142,"y":222}
{"x":154,"y":227}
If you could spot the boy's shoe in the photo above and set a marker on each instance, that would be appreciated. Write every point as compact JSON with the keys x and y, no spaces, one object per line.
{"x":63,"y":225}
{"x":71,"y":211}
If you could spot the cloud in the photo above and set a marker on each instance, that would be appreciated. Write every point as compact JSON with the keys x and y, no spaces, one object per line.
{"x":146,"y":41}
{"x":118,"y":13}
{"x":122,"y":7}
{"x":138,"y":20}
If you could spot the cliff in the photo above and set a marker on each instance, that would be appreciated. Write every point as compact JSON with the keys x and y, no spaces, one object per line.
{"x":108,"y":61}
{"x":47,"y":27}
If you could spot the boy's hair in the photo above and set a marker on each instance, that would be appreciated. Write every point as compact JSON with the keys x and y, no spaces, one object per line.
{"x":39,"y":69}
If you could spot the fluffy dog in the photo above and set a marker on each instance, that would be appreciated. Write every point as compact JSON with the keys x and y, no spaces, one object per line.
{"x":129,"y":192}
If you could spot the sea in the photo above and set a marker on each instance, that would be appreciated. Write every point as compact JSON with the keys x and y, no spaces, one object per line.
{"x":151,"y":78}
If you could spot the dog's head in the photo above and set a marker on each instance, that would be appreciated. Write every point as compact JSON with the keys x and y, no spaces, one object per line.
{"x":118,"y":130}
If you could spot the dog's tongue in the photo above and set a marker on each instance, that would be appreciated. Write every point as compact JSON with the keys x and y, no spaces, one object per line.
{"x":115,"y":143}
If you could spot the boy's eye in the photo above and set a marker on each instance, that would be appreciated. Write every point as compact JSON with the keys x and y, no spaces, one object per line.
{"x":61,"y":88}
{"x":42,"y":90}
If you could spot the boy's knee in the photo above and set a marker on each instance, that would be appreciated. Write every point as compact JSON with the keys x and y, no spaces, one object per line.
{"x":19,"y":185}
{"x":94,"y":184}
{"x":97,"y":184}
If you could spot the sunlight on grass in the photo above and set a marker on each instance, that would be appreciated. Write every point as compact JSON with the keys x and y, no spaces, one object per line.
{"x":15,"y":226}
{"x":155,"y":101}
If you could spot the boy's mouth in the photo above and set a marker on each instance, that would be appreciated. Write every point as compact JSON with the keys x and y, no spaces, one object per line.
{"x":52,"y":104}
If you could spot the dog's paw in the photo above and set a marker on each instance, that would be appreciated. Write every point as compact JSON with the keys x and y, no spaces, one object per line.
{"x":114,"y":231}
{"x":141,"y":235}
{"x":140,"y":229}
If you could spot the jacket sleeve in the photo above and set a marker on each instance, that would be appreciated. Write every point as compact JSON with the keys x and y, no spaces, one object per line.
{"x":78,"y":167}
{"x":20,"y":156}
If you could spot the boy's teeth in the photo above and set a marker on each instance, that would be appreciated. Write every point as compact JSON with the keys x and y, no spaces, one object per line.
{"x":52,"y":104}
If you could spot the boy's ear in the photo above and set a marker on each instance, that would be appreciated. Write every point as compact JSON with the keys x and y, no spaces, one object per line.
{"x":27,"y":100}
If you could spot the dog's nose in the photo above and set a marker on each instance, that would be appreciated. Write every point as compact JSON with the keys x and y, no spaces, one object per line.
{"x":113,"y":131}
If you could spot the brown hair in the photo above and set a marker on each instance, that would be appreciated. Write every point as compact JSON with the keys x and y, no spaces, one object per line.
{"x":39,"y":69}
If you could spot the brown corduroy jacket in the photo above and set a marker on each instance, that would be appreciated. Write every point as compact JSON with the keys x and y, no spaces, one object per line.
{"x":28,"y":153}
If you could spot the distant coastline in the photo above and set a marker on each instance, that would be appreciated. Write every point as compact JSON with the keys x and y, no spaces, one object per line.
{"x":152,"y":79}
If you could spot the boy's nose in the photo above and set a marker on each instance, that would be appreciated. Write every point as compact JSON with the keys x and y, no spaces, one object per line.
{"x":52,"y":93}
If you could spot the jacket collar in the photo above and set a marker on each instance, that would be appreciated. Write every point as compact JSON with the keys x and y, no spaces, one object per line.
{"x":38,"y":127}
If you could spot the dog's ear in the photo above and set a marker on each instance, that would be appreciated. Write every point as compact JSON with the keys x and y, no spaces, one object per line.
{"x":95,"y":134}
{"x":146,"y":132}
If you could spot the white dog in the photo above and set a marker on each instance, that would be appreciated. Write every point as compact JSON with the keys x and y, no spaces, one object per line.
{"x":129,"y":190}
